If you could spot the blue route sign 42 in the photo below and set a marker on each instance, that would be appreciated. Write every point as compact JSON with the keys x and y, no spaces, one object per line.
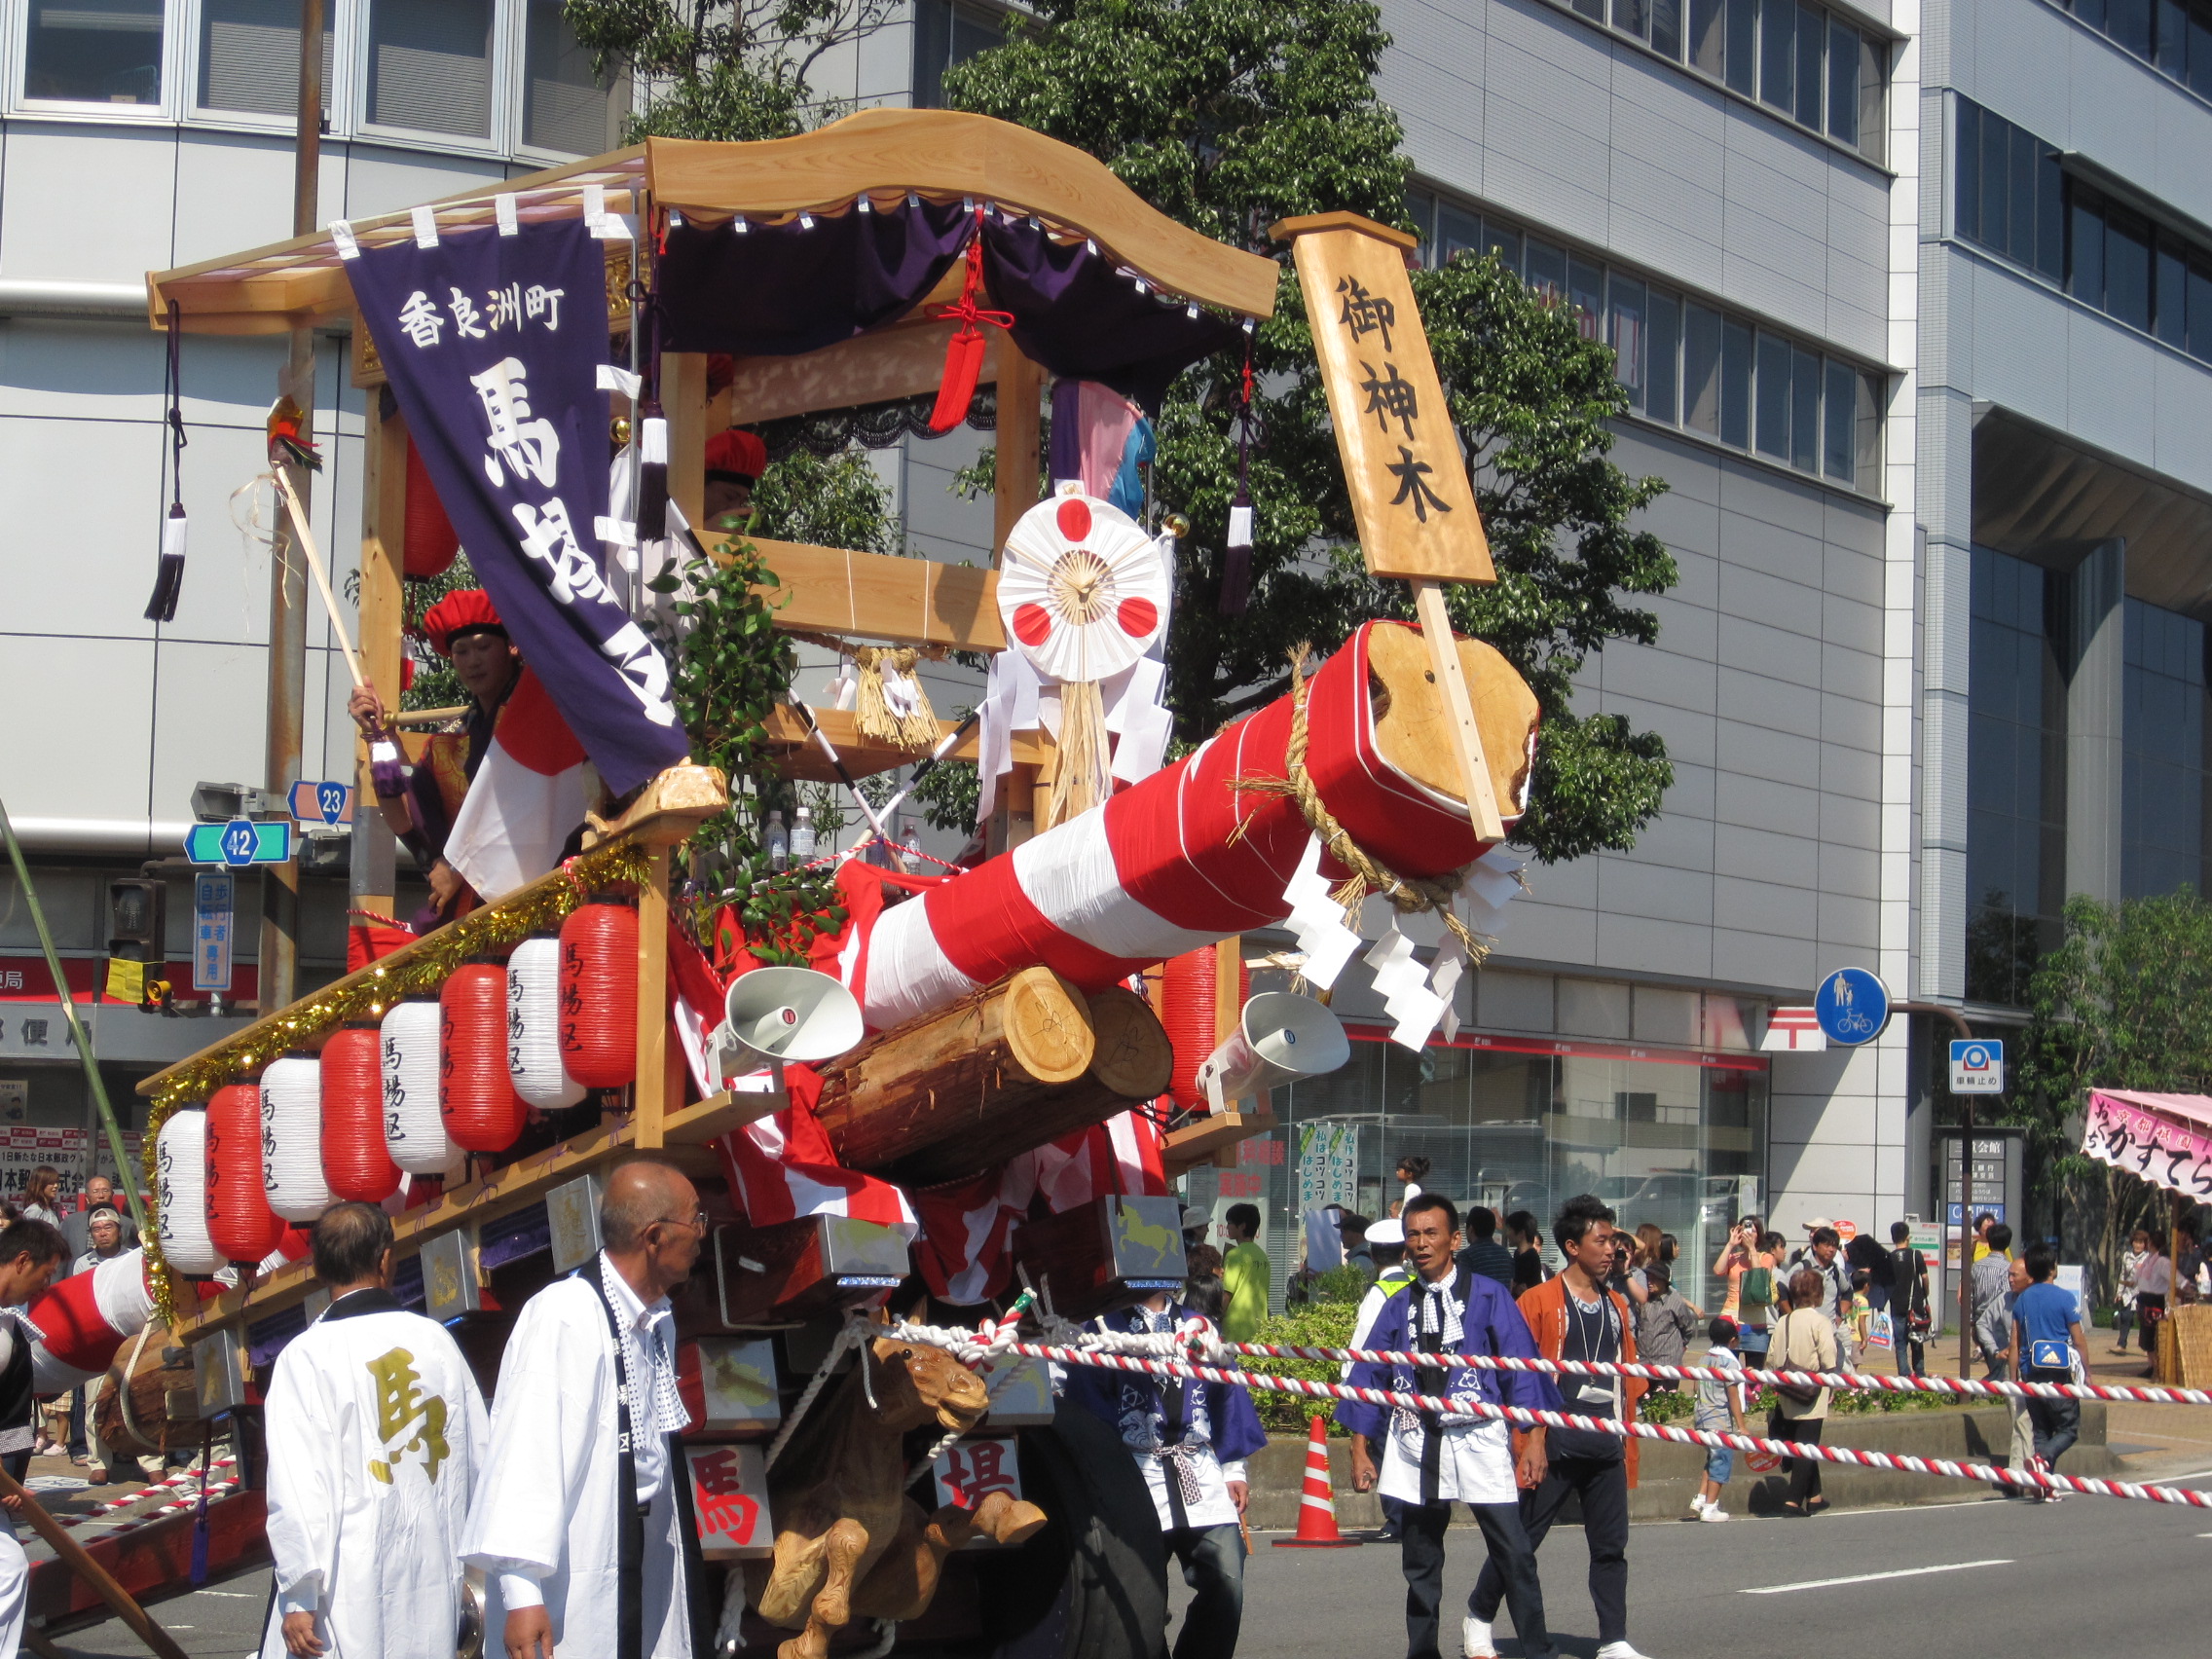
{"x":240,"y":842}
{"x":1851,"y":1005}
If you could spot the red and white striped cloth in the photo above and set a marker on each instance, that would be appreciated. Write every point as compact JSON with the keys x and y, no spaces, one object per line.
{"x":1153,"y":871}
{"x":783,"y":1166}
{"x":85,"y":1319}
{"x":528,"y":794}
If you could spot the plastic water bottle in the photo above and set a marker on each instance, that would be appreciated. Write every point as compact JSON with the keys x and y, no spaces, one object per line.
{"x":802,"y":836}
{"x":911,"y":844}
{"x":779,"y":843}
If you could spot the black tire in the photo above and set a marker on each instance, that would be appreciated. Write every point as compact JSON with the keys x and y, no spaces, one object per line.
{"x":1093,"y":1583}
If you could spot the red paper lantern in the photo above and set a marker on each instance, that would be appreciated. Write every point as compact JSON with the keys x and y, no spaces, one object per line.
{"x":428,"y":540}
{"x":1187,"y":1009}
{"x":354,"y":1161}
{"x":476,"y":1092}
{"x":599,"y":993}
{"x":240,"y":1221}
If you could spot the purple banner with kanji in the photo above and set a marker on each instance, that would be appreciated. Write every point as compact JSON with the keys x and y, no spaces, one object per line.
{"x":492,"y":346}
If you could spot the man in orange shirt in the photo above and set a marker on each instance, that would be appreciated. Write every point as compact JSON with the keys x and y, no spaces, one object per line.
{"x":1573,"y":1317}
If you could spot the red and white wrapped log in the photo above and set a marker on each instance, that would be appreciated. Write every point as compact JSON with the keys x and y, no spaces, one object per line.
{"x":85,"y":1319}
{"x":1155,"y":872}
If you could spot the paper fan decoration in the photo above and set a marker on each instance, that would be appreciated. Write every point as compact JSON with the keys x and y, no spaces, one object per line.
{"x":1082,"y":590}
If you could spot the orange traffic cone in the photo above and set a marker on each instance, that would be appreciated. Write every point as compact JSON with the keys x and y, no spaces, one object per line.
{"x":1316,"y":1505}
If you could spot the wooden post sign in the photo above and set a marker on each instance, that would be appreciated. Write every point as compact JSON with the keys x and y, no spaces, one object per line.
{"x":1410,"y":492}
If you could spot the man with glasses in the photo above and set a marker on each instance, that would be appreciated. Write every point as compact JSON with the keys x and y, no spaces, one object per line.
{"x":583,"y":1519}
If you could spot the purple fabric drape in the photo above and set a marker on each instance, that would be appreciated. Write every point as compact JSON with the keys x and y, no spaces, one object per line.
{"x":782,"y":290}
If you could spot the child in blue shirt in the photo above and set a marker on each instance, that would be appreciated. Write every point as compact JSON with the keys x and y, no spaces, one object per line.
{"x":2046,"y":1338}
{"x":1719,"y":1408}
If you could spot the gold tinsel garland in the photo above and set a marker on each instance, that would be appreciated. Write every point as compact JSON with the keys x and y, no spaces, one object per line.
{"x":365,"y":995}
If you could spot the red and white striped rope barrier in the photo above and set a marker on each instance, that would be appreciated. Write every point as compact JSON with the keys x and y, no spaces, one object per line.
{"x":216,"y":1492}
{"x":1861,"y":1381}
{"x":186,"y":1478}
{"x":1851,"y":1456}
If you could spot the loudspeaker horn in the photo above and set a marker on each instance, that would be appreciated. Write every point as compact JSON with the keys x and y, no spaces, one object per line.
{"x":1281,"y":1037}
{"x":774,"y":1014}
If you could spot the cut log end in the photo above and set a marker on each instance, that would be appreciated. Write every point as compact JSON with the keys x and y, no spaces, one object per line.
{"x":1135,"y":1058}
{"x":1412,"y":725}
{"x":1048,"y":1025}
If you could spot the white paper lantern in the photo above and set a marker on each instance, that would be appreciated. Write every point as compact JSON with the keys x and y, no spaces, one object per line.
{"x":180,"y":1162}
{"x":414,"y":1129}
{"x":291,"y":1138}
{"x":533,"y":1026}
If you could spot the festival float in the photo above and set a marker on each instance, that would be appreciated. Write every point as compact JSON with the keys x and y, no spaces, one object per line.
{"x":958,"y":1095}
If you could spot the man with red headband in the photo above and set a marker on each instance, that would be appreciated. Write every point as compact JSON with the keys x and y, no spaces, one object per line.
{"x":421,"y":804}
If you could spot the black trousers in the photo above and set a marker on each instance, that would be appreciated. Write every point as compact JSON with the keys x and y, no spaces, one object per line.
{"x":1602,"y":1484}
{"x":1511,"y":1559}
{"x":1804,"y":1472}
{"x":1213,"y":1567}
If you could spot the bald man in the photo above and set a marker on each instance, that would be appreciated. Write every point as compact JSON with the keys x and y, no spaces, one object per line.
{"x":582,"y":1520}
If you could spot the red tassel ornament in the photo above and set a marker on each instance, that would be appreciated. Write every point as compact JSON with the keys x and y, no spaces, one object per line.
{"x":240,"y":1221}
{"x":599,"y":993}
{"x":354,"y":1161}
{"x":476,"y":1094}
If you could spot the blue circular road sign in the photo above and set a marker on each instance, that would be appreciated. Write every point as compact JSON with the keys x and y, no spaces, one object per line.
{"x":1851,"y":1005}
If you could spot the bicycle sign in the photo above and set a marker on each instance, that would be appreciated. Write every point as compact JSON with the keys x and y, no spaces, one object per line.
{"x":1851,"y":1005}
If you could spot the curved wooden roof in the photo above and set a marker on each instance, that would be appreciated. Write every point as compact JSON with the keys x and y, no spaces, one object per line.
{"x":939,"y":153}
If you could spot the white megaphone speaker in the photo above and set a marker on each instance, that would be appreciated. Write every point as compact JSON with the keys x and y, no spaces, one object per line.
{"x":1281,"y":1037}
{"x":774,"y":1014}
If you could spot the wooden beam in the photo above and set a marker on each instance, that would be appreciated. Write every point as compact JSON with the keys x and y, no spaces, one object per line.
{"x":1476,"y":787}
{"x":903,"y":361}
{"x":1188,"y":1147}
{"x":683,"y":400}
{"x":947,"y":153}
{"x":1021,"y":384}
{"x":649,"y":1100}
{"x":383,"y":609}
{"x":877,"y":595}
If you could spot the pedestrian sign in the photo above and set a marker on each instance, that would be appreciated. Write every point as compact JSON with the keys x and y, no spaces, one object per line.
{"x":212,"y":917}
{"x":1977,"y":1066}
{"x":240,"y":842}
{"x":327,"y":803}
{"x":1851,"y":1005}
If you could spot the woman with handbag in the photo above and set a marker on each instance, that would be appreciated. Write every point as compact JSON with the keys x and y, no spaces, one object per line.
{"x":1802,"y":1340}
{"x":1910,"y":1314}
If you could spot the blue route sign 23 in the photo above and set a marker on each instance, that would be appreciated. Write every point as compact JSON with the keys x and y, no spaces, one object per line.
{"x":1851,"y":1005}
{"x":327,"y":801}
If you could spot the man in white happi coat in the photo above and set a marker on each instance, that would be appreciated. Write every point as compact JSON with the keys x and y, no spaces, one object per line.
{"x":31,"y":1253}
{"x":583,"y":1518}
{"x":375,"y":1433}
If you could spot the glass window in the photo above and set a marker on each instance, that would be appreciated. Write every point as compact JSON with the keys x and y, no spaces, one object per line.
{"x":2170,"y":294}
{"x":2200,"y":310}
{"x":1593,"y":10}
{"x":1667,"y":27}
{"x":1625,"y":300}
{"x":2162,"y":818}
{"x":1456,"y":231}
{"x":1805,"y":411}
{"x":2127,"y":268}
{"x":2090,"y":12}
{"x":1996,"y":182}
{"x":1812,"y":44}
{"x":2050,"y":213}
{"x":1708,"y":42}
{"x":945,"y":34}
{"x":1839,"y":446}
{"x":1547,"y":271}
{"x":2173,"y":38}
{"x":1662,"y":339}
{"x":1742,"y":53}
{"x":564,"y":105}
{"x":1632,"y":17}
{"x":1874,"y":81}
{"x":2085,"y":252}
{"x":1736,"y":383}
{"x":1586,"y":292}
{"x":1701,"y":369}
{"x":2027,"y":158}
{"x":249,"y":56}
{"x":1772,"y":398}
{"x":1843,"y":82}
{"x":95,"y":51}
{"x":1966,"y":207}
{"x":430,"y":65}
{"x":2128,"y":22}
{"x":1420,"y":208}
{"x":1872,"y":388}
{"x":1504,"y":242}
{"x":1778,"y":54}
{"x":2200,"y":50}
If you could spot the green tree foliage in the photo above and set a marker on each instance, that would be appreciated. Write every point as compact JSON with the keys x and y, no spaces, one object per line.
{"x":2124,"y":1001}
{"x":1230,"y":115}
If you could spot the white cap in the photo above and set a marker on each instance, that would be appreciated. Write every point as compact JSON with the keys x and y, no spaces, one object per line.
{"x":1388,"y":1230}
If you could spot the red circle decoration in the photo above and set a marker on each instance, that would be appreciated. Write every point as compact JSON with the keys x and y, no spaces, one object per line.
{"x":476,"y":1093}
{"x":1032,"y":624}
{"x":1075,"y":518}
{"x":599,"y":993}
{"x":240,"y":1221}
{"x":429,"y":541}
{"x":1138,"y":617}
{"x":1186,"y":1009}
{"x":354,"y":1161}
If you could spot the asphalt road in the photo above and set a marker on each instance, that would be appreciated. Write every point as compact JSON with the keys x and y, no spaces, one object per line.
{"x":2086,"y":1576}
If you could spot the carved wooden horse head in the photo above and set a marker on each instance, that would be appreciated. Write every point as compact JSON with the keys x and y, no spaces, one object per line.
{"x":915,"y":1383}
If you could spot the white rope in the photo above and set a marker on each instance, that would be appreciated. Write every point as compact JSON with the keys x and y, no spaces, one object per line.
{"x":806,"y":1399}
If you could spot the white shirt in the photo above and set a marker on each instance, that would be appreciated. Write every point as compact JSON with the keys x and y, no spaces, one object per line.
{"x":2155,"y":1276}
{"x":648,"y":1353}
{"x":1141,"y":1434}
